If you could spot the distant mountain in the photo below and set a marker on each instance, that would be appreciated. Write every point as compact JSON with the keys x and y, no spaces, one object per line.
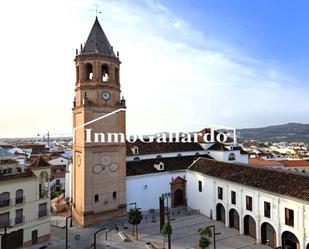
{"x":287,"y":132}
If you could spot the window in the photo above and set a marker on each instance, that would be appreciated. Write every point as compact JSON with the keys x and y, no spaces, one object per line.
{"x":4,"y":220}
{"x":289,"y":217}
{"x":115,"y":195}
{"x":249,"y":203}
{"x":266,"y":209}
{"x":233,"y":197}
{"x":5,"y":199}
{"x":96,"y":198}
{"x":58,"y":182}
{"x":89,"y":73}
{"x":220,"y":193}
{"x":19,"y":196}
{"x":200,"y":187}
{"x":134,"y":150}
{"x":232,"y":157}
{"x":19,"y":216}
{"x":42,"y":209}
{"x":104,"y":71}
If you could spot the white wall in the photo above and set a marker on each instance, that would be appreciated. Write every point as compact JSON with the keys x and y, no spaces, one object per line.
{"x":157,"y":184}
{"x":207,"y":200}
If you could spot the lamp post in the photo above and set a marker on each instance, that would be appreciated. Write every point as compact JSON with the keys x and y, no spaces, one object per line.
{"x":95,"y":237}
{"x":66,"y":231}
{"x":214,"y":234}
{"x":166,"y":196}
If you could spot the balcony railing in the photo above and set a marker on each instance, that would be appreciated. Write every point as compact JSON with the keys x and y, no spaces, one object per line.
{"x":19,"y":200}
{"x":5,"y":203}
{"x":43,"y":193}
{"x":19,"y":220}
{"x":42,"y":213}
{"x":5,"y":223}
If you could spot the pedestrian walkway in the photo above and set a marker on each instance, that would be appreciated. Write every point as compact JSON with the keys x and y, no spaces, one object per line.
{"x":185,"y":235}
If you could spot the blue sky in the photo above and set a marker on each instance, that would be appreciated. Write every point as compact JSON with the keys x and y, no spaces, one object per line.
{"x":185,"y":64}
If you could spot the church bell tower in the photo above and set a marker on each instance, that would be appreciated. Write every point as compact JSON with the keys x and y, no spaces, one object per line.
{"x":99,"y":167}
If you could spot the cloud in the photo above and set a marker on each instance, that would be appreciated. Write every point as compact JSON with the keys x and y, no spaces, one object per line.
{"x":173,"y":77}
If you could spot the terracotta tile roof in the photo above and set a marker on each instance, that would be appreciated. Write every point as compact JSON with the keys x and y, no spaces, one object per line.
{"x":142,"y":167}
{"x":280,"y":182}
{"x":18,"y":176}
{"x":295,"y":163}
{"x":158,"y":148}
{"x":39,"y":162}
{"x":262,"y":162}
{"x":8,"y":161}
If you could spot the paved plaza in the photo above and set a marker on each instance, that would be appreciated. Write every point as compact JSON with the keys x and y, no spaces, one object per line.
{"x":184,"y":235}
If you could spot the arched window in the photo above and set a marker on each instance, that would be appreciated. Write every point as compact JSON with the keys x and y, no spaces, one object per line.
{"x":232,"y":157}
{"x":104,"y":73}
{"x":96,"y":198}
{"x":136,"y":158}
{"x":89,"y":72}
{"x":19,"y":196}
{"x":5,"y":199}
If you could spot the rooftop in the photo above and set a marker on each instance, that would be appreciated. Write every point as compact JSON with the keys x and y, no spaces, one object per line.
{"x":279,"y":182}
{"x":142,"y":167}
{"x":159,"y":148}
{"x":4,"y":154}
{"x":97,"y":42}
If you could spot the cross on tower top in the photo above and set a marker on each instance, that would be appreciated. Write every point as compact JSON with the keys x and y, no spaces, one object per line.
{"x":97,"y":9}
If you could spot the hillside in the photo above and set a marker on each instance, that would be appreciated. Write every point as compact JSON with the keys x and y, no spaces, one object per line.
{"x":286,"y":132}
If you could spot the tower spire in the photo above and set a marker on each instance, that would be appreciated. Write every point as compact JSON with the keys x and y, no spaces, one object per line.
{"x":97,"y":42}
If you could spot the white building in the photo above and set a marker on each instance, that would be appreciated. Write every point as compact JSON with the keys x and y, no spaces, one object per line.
{"x":59,"y":167}
{"x":24,"y":202}
{"x":269,"y":205}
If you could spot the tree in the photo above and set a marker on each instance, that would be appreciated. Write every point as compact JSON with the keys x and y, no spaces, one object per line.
{"x":166,"y":230}
{"x":205,"y":234}
{"x":134,"y":217}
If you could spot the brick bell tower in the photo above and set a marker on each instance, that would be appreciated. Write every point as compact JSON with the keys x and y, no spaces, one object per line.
{"x":99,"y":168}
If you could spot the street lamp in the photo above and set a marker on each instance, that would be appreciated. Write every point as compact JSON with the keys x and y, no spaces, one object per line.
{"x":166,"y":196}
{"x":95,"y":237}
{"x":214,"y":234}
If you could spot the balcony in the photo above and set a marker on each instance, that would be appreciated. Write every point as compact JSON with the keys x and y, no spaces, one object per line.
{"x":42,"y":213}
{"x":5,"y":223}
{"x":19,"y":200}
{"x":19,"y":220}
{"x":5,"y":203}
{"x":43,"y":193}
